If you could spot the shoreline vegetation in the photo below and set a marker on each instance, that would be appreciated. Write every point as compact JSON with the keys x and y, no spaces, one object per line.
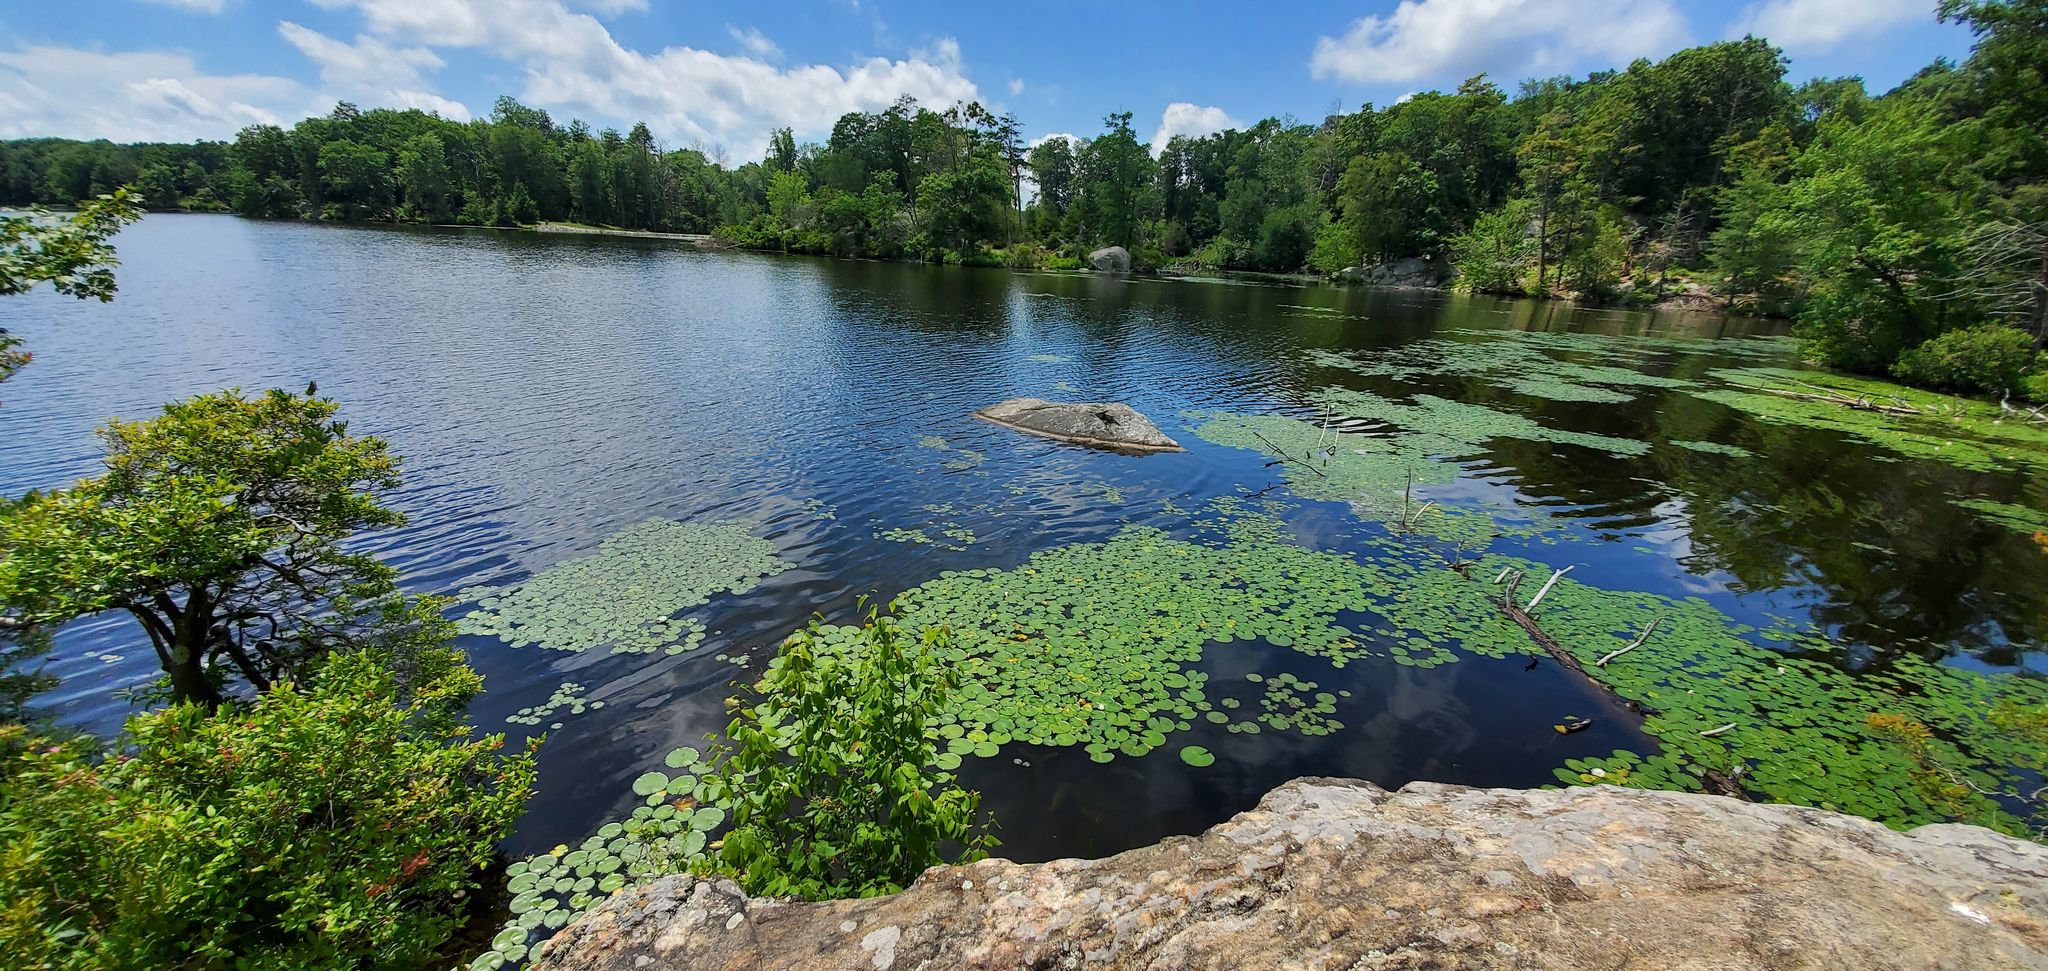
{"x":304,"y":785}
{"x":1881,"y":222}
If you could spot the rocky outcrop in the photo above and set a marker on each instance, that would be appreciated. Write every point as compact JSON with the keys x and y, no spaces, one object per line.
{"x":1341,"y":874}
{"x":1411,"y":272}
{"x":1109,"y":425}
{"x":1111,"y":259}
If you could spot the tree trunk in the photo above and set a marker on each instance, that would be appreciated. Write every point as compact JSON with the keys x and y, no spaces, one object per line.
{"x":188,"y":672}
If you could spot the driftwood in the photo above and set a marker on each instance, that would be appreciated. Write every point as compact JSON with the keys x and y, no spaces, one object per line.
{"x":1632,"y":645}
{"x":1714,"y":781}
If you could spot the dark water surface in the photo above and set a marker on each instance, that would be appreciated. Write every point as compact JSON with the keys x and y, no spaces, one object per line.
{"x":548,"y":391}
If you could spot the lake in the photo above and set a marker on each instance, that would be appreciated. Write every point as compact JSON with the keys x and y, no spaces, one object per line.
{"x":550,"y":392}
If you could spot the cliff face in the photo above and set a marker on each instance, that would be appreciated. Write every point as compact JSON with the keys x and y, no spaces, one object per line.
{"x":1340,"y":874}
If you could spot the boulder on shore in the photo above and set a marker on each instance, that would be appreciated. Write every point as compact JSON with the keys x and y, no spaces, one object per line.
{"x":1341,"y":874}
{"x":1110,"y":425}
{"x":1410,"y":272}
{"x":1111,"y":259}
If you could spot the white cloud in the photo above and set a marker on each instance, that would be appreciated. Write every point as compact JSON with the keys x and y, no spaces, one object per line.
{"x":1016,"y":86}
{"x":573,"y":64}
{"x":366,"y":62}
{"x":755,"y":42}
{"x":1192,"y":120}
{"x":196,"y":6}
{"x":1449,"y":40}
{"x":372,"y":72}
{"x":1072,"y":139}
{"x":613,"y":6}
{"x":1819,"y":26}
{"x":137,"y":96}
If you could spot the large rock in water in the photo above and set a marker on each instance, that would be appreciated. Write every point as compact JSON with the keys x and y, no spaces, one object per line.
{"x":1111,"y":259}
{"x":1100,"y":425}
{"x":1340,"y":874}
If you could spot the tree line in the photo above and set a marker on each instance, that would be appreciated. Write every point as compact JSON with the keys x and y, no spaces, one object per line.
{"x":1882,"y":221}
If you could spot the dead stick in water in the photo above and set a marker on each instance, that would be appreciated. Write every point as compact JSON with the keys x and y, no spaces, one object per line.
{"x":1632,"y":645}
{"x":1714,"y":781}
{"x":1540,"y":594}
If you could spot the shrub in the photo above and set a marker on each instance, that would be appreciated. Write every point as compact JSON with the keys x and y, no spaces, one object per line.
{"x":829,"y":779}
{"x":1494,"y":256}
{"x":334,"y":824}
{"x":1984,"y":358}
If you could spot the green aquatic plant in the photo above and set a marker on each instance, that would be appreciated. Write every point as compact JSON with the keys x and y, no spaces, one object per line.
{"x":1716,"y":448}
{"x":626,"y":596}
{"x":2023,"y":519}
{"x":569,"y":696}
{"x":1917,"y":424}
{"x":1291,"y":703}
{"x":1379,"y":476}
{"x":1440,"y":426}
{"x":669,"y":834}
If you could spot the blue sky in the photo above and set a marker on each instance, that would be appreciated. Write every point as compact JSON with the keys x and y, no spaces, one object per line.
{"x":719,"y":75}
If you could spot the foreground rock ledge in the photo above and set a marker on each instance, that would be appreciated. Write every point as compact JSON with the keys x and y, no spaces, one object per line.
{"x":1330,"y":873}
{"x":1111,"y":425}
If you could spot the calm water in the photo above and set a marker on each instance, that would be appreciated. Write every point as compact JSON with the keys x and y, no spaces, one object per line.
{"x":549,"y":391}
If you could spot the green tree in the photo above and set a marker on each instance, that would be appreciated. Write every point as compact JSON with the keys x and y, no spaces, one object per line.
{"x":829,"y":773}
{"x":423,"y":178}
{"x":1493,"y":256}
{"x":355,"y":177}
{"x":1386,"y":203}
{"x":218,"y":527}
{"x":1876,"y":207}
{"x":335,"y":822}
{"x":71,"y":254}
{"x":1114,"y":171}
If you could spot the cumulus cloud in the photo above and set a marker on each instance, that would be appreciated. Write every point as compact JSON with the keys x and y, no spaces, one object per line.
{"x":573,"y":64}
{"x":373,"y":72}
{"x":1016,"y":86}
{"x":196,"y":6}
{"x":368,"y":61}
{"x":1819,"y":26}
{"x":755,"y":42}
{"x":1449,"y":40}
{"x":1192,"y":120}
{"x":1072,"y":139}
{"x":137,"y":96}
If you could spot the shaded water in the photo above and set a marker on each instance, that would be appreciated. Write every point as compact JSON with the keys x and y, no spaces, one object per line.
{"x":550,"y":391}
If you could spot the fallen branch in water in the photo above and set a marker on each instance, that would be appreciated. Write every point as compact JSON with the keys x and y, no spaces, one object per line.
{"x":1712,"y":780}
{"x":1540,"y":594}
{"x":1846,"y":400}
{"x":1632,"y":645}
{"x":1284,"y":457}
{"x":1717,"y":732}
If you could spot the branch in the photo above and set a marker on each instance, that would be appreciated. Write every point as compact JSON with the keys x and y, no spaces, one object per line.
{"x":1638,"y":642}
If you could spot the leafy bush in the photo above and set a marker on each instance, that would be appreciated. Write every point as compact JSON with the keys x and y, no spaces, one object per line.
{"x":1986,"y":358}
{"x":829,"y":780}
{"x":1495,"y":256}
{"x":335,"y":824}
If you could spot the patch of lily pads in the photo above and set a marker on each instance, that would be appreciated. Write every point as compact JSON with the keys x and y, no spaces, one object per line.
{"x":627,"y":595}
{"x":668,"y":834}
{"x":1961,"y":432}
{"x":569,"y":695}
{"x":2013,"y":516}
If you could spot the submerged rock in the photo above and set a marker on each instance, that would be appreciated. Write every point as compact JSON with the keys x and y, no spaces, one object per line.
{"x":1341,"y":874}
{"x":1101,"y":425}
{"x":1111,"y":259}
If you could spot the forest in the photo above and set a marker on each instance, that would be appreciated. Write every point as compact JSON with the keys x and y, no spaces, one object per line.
{"x":1880,"y":221}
